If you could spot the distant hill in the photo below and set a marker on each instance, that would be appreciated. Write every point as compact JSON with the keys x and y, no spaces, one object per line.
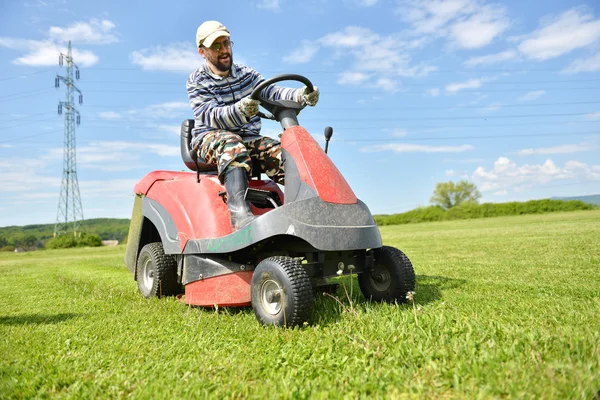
{"x":106,"y":228}
{"x":591,"y":199}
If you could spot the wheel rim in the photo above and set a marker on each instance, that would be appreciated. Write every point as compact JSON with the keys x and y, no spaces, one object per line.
{"x":270,"y":296}
{"x":148,"y":275}
{"x":380,"y":278}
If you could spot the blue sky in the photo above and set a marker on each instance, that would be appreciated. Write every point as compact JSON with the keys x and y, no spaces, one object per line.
{"x":504,"y":94}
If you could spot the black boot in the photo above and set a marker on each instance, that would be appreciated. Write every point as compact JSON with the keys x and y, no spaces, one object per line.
{"x":236,"y":183}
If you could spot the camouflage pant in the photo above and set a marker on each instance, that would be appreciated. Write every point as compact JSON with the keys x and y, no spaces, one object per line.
{"x":228,"y":151}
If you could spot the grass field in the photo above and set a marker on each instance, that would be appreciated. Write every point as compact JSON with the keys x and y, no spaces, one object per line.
{"x":505,"y":307}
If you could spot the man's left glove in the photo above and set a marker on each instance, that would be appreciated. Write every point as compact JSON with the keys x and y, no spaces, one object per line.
{"x":248,"y":107}
{"x":310,"y":99}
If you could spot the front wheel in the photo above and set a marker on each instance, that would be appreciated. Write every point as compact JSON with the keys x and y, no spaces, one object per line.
{"x":156,"y":272}
{"x":281,"y":292}
{"x":391,"y":277}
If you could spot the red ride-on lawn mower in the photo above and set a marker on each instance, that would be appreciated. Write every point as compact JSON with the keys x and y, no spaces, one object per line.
{"x":181,"y":234}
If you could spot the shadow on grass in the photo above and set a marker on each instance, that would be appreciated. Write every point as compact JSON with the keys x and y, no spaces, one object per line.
{"x":328,"y":310}
{"x":429,"y":288}
{"x":37,"y":319}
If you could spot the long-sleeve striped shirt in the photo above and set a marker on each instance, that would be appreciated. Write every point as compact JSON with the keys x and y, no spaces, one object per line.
{"x":213,"y":98}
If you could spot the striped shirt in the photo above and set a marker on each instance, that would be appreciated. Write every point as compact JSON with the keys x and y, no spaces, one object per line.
{"x":213,"y":98}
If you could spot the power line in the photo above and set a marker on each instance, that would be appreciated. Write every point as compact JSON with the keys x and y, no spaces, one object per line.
{"x":24,"y":75}
{"x":20,"y":119}
{"x":470,"y":137}
{"x":525,"y":105}
{"x":378,"y":88}
{"x":263,"y":71}
{"x":23,"y":96}
{"x":180,"y":83}
{"x":484,"y":117}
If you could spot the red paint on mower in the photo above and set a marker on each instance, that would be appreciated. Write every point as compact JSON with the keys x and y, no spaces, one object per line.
{"x":316,"y":168}
{"x":226,"y":290}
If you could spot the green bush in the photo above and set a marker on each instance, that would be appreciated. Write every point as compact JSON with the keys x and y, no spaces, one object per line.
{"x":89,"y":240}
{"x":68,"y":241}
{"x":7,"y":248}
{"x":471,"y":209}
{"x":60,"y":242}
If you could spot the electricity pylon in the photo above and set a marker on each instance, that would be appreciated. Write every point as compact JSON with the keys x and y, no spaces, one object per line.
{"x":69,"y":204}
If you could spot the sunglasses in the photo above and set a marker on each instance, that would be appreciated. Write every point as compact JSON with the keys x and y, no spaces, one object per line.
{"x":227,"y":44}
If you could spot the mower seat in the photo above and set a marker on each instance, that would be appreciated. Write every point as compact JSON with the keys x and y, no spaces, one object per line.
{"x":189,"y":156}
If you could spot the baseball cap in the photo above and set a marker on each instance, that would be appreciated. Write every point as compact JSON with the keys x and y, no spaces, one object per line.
{"x":209,"y":31}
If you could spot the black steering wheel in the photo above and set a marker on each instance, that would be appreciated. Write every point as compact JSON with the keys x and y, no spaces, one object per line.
{"x":276,"y":106}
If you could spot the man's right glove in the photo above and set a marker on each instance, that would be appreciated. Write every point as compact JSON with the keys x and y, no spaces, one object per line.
{"x":248,"y":107}
{"x":310,"y":99}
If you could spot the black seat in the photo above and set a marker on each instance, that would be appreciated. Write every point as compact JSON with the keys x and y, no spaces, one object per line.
{"x":189,"y":156}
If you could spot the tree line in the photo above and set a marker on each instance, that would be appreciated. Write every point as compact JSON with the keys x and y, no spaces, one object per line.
{"x":30,"y":237}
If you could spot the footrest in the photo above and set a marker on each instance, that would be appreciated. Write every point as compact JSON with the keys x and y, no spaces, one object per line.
{"x":264,"y":198}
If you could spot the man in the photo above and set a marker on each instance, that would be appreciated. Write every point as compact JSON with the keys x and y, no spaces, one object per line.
{"x":227,"y":129}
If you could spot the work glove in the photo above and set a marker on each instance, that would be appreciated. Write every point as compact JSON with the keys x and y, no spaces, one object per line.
{"x":247,"y":107}
{"x":310,"y":99}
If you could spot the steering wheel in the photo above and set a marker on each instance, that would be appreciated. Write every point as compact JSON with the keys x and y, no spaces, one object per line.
{"x":276,"y":106}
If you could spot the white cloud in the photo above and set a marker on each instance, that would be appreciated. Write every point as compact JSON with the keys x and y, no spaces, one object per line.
{"x":591,"y":64}
{"x":303,"y":54}
{"x":450,"y":172}
{"x":398,"y":132}
{"x":506,"y":55}
{"x":506,"y":174}
{"x":560,"y":35}
{"x":45,"y":52}
{"x":17,"y":176}
{"x":593,"y":116}
{"x":167,"y":110}
{"x":416,"y":148}
{"x":93,"y":32}
{"x":458,"y":86}
{"x":175,"y":57}
{"x":366,"y":3}
{"x":562,"y":149}
{"x":352,"y":78}
{"x":480,"y":29}
{"x":530,"y":96}
{"x":117,"y":155}
{"x":109,"y":115}
{"x":434,"y":92}
{"x":466,"y":24}
{"x":272,"y":5}
{"x":387,"y":84}
{"x":492,"y":108}
{"x":174,"y":129}
{"x":366,"y":53}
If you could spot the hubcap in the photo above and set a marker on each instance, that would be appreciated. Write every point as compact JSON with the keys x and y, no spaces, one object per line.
{"x":148,"y":274}
{"x":270,"y":296}
{"x":380,"y":278}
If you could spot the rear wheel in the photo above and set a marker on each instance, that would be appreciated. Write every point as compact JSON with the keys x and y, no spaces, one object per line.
{"x":391,"y":277}
{"x":281,"y":292}
{"x":157,"y":272}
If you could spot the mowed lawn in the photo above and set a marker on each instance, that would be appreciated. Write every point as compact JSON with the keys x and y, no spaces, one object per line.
{"x":504,"y":307}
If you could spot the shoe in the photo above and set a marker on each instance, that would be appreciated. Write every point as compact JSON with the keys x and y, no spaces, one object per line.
{"x":236,"y":184}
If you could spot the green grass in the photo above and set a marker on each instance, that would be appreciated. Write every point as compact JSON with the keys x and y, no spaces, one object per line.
{"x":505,"y":307}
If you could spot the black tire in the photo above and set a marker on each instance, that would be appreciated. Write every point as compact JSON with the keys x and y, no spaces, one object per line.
{"x":156,"y":272}
{"x":391,"y":277}
{"x":281,"y":292}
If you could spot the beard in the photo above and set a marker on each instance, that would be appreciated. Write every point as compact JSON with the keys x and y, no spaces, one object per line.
{"x":222,"y":62}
